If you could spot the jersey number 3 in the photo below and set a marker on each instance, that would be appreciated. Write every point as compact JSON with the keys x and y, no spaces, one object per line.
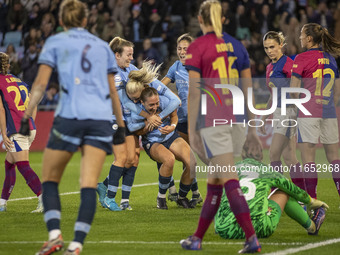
{"x":247,"y":182}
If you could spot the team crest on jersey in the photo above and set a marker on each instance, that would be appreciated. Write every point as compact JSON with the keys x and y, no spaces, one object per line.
{"x":126,"y":111}
{"x":270,"y":74}
{"x":118,"y":79}
{"x":148,"y":146}
{"x":115,"y":126}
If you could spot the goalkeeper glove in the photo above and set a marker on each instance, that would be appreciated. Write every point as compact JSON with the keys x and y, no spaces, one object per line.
{"x":119,"y":136}
{"x":24,"y":127}
{"x":314,"y":204}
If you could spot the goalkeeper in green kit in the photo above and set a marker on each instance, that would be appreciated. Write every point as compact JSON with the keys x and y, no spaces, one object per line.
{"x":256,"y":181}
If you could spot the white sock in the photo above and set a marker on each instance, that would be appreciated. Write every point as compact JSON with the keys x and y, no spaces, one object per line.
{"x":196,"y":192}
{"x":3,"y":201}
{"x":161,"y":195}
{"x":172,"y":189}
{"x":74,"y":245}
{"x":53,"y":234}
{"x":124,"y":200}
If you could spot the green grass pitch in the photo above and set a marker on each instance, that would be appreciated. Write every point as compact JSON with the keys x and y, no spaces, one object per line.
{"x":145,"y":229}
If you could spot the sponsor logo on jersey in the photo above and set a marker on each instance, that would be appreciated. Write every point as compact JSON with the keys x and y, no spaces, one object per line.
{"x":76,"y":81}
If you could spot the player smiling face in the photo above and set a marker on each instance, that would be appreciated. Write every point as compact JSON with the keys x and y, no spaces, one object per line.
{"x":124,"y":59}
{"x":151,"y":104}
{"x":182,"y":50}
{"x":273,"y":49}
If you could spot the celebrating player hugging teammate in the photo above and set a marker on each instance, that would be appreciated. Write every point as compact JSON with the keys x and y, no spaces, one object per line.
{"x":162,"y":143}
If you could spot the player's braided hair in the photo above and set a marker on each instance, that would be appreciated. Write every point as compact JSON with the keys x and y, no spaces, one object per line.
{"x":139,"y":79}
{"x":72,"y":13}
{"x":277,"y":36}
{"x":321,"y":36}
{"x":117,"y":44}
{"x":4,"y":61}
{"x":211,"y":13}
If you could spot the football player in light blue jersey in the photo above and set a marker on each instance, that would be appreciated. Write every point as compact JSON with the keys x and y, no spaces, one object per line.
{"x":162,"y":144}
{"x":178,"y":74}
{"x":86,"y":68}
{"x":137,"y":122}
{"x":127,"y":155}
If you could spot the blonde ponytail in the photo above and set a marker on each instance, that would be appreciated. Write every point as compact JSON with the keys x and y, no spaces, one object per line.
{"x":211,"y":13}
{"x":4,"y":61}
{"x":215,"y":17}
{"x":139,"y":79}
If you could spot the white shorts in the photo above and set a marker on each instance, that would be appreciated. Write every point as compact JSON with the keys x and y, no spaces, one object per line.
{"x":287,"y":120}
{"x":21,"y":142}
{"x":223,"y":139}
{"x":310,"y":129}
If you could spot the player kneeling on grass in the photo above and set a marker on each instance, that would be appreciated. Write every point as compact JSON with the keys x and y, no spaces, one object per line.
{"x":163,"y":145}
{"x":265,"y":211}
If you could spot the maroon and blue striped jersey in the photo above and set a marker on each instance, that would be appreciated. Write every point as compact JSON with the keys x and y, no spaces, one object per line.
{"x":208,"y":56}
{"x":317,"y":70}
{"x":14,"y":95}
{"x":278,"y":76}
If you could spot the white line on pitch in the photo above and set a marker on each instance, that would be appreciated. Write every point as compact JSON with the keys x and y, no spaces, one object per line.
{"x":151,"y":242}
{"x":305,"y":247}
{"x":77,"y":192}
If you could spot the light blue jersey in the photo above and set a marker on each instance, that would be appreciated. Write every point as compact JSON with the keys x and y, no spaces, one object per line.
{"x":136,"y":122}
{"x":83,"y":62}
{"x":121,"y":79}
{"x":129,"y":106}
{"x":177,"y":73}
